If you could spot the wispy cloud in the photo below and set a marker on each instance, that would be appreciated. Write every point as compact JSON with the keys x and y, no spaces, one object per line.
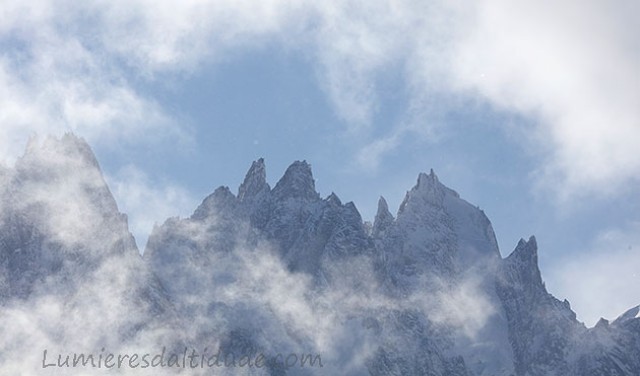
{"x":55,"y":78}
{"x":601,"y":282}
{"x":346,"y":323}
{"x":570,"y":67}
{"x":146,"y":202}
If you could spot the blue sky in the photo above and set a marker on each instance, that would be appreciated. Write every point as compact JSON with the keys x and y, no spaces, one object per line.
{"x":528,"y":111}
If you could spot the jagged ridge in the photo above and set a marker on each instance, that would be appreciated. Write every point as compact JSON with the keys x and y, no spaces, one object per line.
{"x":425,"y":292}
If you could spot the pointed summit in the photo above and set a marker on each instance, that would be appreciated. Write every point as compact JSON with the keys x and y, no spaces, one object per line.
{"x":425,"y":180}
{"x":334,"y":199}
{"x":221,"y":202}
{"x":383,"y":219}
{"x":523,"y":263}
{"x":255,"y":182}
{"x":526,"y":251}
{"x":297,"y":182}
{"x":428,"y":189}
{"x":68,"y":159}
{"x":431,"y":184}
{"x":58,"y":151}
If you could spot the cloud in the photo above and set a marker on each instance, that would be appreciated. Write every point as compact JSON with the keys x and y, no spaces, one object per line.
{"x":54,"y":80}
{"x":370,"y":156}
{"x":571,"y":68}
{"x":602,"y":281}
{"x":147,"y":202}
{"x":66,"y":211}
{"x":71,"y":277}
{"x":220,"y":284}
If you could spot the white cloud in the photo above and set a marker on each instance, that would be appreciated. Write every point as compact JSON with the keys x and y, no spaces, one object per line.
{"x":370,"y":156}
{"x":147,"y":202}
{"x":572,"y":67}
{"x":53,"y":80}
{"x":156,"y":37}
{"x":602,"y":282}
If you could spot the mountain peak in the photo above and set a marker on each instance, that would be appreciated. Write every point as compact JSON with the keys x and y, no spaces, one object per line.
{"x":334,"y":199}
{"x":425,"y":180}
{"x":59,"y":151}
{"x":526,"y":252}
{"x":68,"y":160}
{"x":383,"y":219}
{"x":297,"y":182}
{"x":630,"y":314}
{"x":428,"y":189}
{"x":383,"y":207}
{"x":221,"y":202}
{"x":69,"y":202}
{"x":524,"y":261}
{"x":430,"y":183}
{"x":255,"y":181}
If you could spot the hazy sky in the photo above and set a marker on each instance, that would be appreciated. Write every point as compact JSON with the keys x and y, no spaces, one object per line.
{"x":530,"y":111}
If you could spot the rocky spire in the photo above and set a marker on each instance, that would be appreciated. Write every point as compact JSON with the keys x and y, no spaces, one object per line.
{"x":333,"y":199}
{"x":255,"y":182}
{"x":383,"y":219}
{"x":521,"y":266}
